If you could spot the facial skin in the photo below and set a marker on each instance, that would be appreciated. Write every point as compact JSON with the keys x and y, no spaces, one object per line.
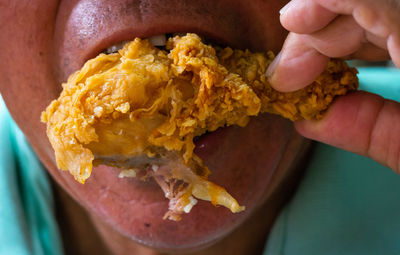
{"x":44,"y":41}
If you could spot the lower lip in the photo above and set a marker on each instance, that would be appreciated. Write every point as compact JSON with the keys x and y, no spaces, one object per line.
{"x":243,"y":160}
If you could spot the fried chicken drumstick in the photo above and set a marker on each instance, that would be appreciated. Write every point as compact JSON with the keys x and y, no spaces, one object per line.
{"x":139,"y":110}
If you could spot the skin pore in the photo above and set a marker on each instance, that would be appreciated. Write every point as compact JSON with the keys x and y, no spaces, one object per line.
{"x":260,"y":164}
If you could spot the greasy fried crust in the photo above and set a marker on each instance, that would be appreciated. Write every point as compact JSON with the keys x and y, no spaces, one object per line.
{"x":143,"y":101}
{"x":308,"y":103}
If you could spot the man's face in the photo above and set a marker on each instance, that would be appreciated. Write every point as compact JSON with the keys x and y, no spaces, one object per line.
{"x":43,"y":42}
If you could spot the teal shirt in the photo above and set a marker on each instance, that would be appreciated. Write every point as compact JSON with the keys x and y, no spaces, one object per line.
{"x":346,"y":204}
{"x":27,"y":222}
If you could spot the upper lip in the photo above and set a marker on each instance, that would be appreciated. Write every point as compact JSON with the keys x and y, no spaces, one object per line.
{"x":80,"y":37}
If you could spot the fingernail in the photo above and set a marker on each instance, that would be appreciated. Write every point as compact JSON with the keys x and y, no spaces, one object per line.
{"x":271,"y":68}
{"x":285,"y":8}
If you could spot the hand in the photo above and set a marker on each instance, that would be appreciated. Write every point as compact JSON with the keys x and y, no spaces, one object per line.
{"x":360,"y":122}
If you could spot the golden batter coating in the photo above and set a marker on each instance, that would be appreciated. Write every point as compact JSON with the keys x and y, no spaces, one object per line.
{"x":146,"y":102}
{"x":308,"y":103}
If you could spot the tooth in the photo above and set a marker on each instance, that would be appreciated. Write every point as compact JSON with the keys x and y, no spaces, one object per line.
{"x":158,"y":40}
{"x":115,"y":47}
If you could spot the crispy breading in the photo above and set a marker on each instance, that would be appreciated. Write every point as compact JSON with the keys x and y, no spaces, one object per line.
{"x":308,"y":103}
{"x":144,"y":101}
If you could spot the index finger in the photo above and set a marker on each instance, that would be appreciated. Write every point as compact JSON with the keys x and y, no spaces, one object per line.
{"x":305,"y":16}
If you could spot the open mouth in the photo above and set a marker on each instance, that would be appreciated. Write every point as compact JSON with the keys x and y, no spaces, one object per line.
{"x":159,"y":168}
{"x":174,"y":112}
{"x":140,"y":107}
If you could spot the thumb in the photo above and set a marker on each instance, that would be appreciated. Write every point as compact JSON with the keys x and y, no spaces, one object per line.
{"x":363,"y":123}
{"x":296,"y":66}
